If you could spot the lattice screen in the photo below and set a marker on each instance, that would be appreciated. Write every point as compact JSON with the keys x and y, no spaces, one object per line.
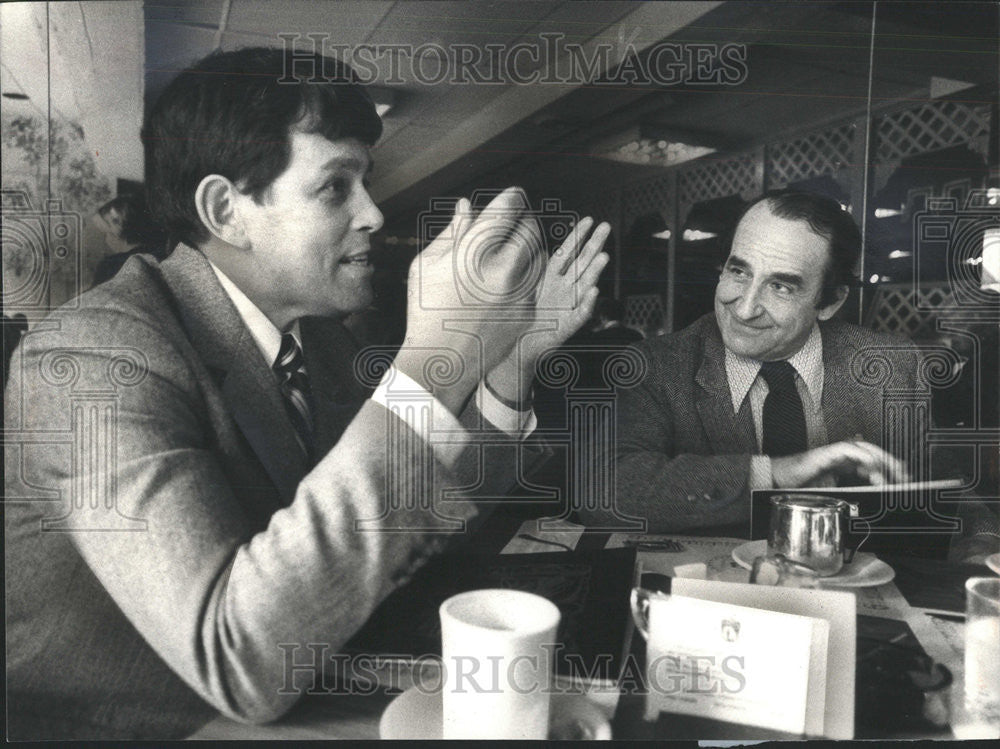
{"x":643,"y":311}
{"x":908,"y":310}
{"x":914,"y":312}
{"x":931,"y":127}
{"x":651,"y":196}
{"x":710,"y":178}
{"x":814,"y":155}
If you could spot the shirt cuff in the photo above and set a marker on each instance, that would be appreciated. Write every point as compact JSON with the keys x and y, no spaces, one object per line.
{"x":423,"y":413}
{"x":516,"y":424}
{"x":760,"y":473}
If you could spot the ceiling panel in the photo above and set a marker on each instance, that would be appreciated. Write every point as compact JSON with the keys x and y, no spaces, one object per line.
{"x":389,"y":150}
{"x":197,"y":12}
{"x":345,"y":22}
{"x":453,"y":105}
{"x":808,"y":64}
{"x":171,"y":47}
{"x":580,"y":21}
{"x":447,"y":23}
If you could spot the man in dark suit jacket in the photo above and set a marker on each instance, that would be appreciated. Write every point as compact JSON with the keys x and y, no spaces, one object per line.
{"x":202,"y":489}
{"x":693,"y":435}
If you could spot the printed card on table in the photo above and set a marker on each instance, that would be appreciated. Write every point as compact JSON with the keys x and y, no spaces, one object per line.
{"x":837,"y":607}
{"x":737,"y":664}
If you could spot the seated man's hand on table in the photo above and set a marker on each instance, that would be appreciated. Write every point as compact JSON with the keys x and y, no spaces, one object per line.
{"x":857,"y":460}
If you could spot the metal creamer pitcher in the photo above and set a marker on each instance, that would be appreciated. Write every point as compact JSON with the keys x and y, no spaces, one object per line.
{"x":813,"y":531}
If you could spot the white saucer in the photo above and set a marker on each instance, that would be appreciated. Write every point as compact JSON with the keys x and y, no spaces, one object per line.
{"x":417,"y":715}
{"x":865,"y":571}
{"x":993,"y":562}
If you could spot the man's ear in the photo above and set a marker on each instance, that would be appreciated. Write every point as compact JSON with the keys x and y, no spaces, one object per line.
{"x":215,"y":200}
{"x":825,"y":313}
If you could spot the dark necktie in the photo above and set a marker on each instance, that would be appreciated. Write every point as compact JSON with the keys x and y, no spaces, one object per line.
{"x":784,"y":420}
{"x":290,"y":368}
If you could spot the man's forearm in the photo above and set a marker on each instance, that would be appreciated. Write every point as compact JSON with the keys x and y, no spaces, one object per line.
{"x":511,"y":380}
{"x":415,"y":362}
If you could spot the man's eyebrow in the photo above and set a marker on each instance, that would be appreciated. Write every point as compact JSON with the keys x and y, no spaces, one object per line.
{"x":789,"y":279}
{"x":350,"y":163}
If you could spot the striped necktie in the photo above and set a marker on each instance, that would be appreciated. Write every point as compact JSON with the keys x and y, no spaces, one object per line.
{"x":290,"y":368}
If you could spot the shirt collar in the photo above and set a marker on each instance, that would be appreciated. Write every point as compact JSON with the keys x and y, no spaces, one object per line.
{"x":265,"y":334}
{"x":741,"y":371}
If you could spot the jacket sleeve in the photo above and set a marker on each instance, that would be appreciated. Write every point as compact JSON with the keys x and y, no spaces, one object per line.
{"x":214,"y":596}
{"x":660,"y":482}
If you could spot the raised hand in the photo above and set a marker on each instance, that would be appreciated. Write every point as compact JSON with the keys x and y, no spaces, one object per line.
{"x":475,"y":269}
{"x":564,"y":301}
{"x":568,"y":290}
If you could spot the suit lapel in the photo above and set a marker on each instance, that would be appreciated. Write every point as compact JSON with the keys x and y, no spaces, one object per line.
{"x":253,"y":398}
{"x":249,"y":387}
{"x":727,"y":432}
{"x":329,"y":350}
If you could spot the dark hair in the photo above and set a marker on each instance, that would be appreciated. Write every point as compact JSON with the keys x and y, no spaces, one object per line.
{"x":827,"y":218}
{"x":138,"y":227}
{"x":231,"y":114}
{"x":119,"y":204}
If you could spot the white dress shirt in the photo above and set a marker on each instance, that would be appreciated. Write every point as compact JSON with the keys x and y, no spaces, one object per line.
{"x":264,"y":332}
{"x":395,"y":389}
{"x":745,"y":382}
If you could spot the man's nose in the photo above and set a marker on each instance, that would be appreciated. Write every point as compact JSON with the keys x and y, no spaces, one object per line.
{"x":367,"y":216}
{"x":747,"y":305}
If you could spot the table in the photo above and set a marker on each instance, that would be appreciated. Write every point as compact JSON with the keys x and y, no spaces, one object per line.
{"x":923,"y":603}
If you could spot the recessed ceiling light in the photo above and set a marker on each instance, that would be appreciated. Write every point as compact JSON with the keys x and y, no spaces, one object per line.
{"x":649,"y":151}
{"x":693,"y":235}
{"x":887,"y":212}
{"x":384,"y":99}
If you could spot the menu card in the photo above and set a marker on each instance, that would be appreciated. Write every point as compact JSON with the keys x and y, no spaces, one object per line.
{"x":737,"y":664}
{"x":837,"y":607}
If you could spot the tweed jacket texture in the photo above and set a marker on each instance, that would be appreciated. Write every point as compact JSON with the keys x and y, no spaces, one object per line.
{"x":173,"y":575}
{"x":682,"y":455}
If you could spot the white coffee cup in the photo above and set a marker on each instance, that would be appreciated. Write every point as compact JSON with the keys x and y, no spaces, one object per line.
{"x":497,"y":648}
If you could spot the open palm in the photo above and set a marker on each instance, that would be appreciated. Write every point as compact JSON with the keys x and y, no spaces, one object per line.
{"x":567,"y":290}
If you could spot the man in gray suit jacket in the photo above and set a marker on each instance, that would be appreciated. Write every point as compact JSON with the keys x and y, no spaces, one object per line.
{"x":701,"y":431}
{"x":199,"y":487}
